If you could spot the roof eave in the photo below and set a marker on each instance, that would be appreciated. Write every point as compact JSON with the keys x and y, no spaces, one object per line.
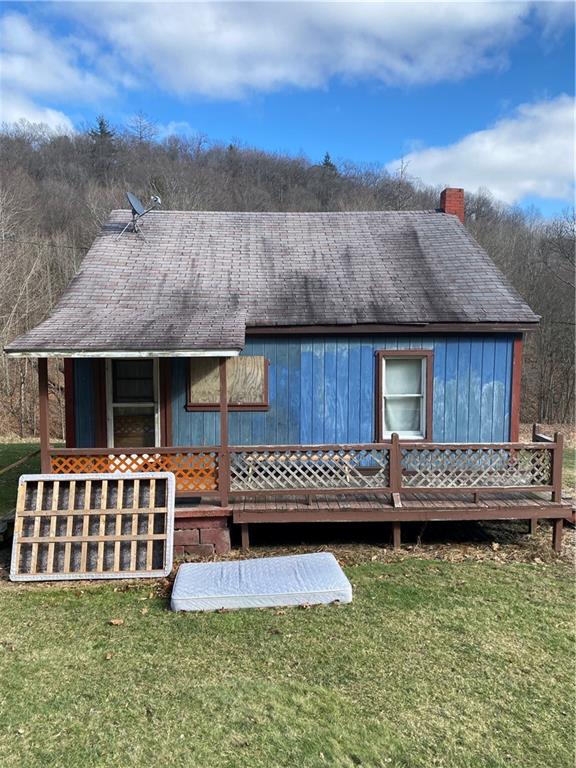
{"x":121,"y":353}
{"x":421,"y":328}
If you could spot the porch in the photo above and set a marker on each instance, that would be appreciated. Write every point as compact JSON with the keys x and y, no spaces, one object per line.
{"x":390,"y":482}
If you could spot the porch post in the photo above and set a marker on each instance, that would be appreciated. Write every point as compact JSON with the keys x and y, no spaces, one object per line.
{"x":557,"y":458}
{"x":43,"y":414}
{"x":224,"y":464}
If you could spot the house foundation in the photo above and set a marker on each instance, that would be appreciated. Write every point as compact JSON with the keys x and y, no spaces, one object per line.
{"x":201,"y":532}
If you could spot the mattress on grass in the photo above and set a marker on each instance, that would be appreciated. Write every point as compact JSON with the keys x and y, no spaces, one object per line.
{"x":267,"y":582}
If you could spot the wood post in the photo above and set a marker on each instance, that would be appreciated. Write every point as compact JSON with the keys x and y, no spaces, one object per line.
{"x":224,"y":464}
{"x":43,"y":414}
{"x":244,"y":533}
{"x":533,"y":526}
{"x":557,"y":458}
{"x":397,"y":535}
{"x":395,"y":469}
{"x":395,"y":465}
{"x":557,"y":530}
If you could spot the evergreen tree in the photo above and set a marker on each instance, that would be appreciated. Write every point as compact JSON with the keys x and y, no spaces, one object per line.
{"x":328,"y":164}
{"x":103,"y":149}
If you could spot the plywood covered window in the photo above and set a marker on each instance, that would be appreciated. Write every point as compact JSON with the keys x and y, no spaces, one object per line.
{"x":405,"y":394}
{"x":247,"y":380}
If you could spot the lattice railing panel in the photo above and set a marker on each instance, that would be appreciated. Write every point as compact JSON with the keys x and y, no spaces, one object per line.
{"x":476,"y":467}
{"x":194,"y":472}
{"x":322,"y":469}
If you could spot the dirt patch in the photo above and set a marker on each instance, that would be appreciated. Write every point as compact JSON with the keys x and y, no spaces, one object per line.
{"x":455,"y":542}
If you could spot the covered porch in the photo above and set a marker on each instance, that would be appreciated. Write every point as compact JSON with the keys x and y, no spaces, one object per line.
{"x":392,"y":481}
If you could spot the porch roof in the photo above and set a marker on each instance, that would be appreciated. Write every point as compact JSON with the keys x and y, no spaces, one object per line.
{"x":199,"y":279}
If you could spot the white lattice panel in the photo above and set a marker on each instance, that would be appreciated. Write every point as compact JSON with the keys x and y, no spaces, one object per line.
{"x":475,"y":467}
{"x":309,"y":469}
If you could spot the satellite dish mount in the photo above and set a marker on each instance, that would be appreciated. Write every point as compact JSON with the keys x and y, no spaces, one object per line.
{"x":139,"y":211}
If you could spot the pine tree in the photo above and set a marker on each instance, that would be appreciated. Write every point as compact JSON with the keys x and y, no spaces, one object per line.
{"x":328,"y":164}
{"x":103,"y":147}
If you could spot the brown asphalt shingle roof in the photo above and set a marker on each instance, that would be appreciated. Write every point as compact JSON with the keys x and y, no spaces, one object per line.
{"x":200,"y":278}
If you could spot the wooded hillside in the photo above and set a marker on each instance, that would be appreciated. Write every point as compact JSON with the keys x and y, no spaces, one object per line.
{"x":57,"y":190}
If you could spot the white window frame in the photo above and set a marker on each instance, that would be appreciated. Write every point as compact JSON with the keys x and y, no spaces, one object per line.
{"x":407,"y":434}
{"x":110,"y":405}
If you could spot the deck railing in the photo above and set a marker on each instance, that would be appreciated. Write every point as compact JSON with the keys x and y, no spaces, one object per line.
{"x":395,"y":468}
{"x":196,"y":469}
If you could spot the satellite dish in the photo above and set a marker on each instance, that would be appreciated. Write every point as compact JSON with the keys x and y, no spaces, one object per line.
{"x":137,"y":207}
{"x":138,"y":211}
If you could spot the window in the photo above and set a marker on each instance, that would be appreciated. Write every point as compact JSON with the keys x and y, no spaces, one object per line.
{"x":405,"y":394}
{"x":246,"y":378}
{"x":133,"y":413}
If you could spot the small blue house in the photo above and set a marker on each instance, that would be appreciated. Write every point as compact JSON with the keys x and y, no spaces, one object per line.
{"x":291,"y":354}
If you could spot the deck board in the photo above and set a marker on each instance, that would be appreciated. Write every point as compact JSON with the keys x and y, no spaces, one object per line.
{"x":415,"y":507}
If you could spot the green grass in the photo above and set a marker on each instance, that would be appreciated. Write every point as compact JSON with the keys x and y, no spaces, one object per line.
{"x":467,"y":665}
{"x":10,"y":453}
{"x":569,"y":469}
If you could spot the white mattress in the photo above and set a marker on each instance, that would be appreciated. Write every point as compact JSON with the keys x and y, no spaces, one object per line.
{"x":260,"y":583}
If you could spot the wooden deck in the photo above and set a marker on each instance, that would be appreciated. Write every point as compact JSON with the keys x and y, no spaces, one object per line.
{"x":396,"y":481}
{"x":413,"y":508}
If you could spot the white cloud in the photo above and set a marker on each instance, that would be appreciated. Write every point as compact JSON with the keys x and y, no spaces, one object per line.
{"x":32,"y":63}
{"x":15,"y":108}
{"x":37,"y":68}
{"x":175,"y":128}
{"x":529,"y":153}
{"x":226,"y":50}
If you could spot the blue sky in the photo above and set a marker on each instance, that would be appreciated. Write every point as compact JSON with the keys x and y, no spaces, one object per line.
{"x":479,"y":95}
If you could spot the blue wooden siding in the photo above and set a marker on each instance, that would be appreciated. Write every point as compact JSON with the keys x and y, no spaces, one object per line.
{"x":84,"y":403}
{"x":322,"y":390}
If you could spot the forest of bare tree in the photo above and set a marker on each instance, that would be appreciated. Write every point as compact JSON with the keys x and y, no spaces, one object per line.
{"x":57,"y":189}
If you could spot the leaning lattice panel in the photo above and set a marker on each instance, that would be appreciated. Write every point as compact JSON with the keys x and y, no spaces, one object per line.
{"x":93,"y":526}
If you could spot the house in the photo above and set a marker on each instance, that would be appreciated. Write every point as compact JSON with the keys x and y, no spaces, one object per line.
{"x":294,"y":367}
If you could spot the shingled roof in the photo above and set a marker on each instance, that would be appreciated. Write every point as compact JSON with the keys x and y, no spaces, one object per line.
{"x":199,"y":279}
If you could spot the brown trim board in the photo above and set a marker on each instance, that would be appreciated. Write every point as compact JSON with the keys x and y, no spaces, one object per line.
{"x":372,"y":328}
{"x":516,"y":390}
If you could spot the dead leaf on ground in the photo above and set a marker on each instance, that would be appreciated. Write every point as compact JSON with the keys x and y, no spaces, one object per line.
{"x":144,"y":611}
{"x":116,"y":622}
{"x":108,"y":656}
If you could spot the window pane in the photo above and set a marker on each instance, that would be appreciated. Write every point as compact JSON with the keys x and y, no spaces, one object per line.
{"x":133,"y":381}
{"x":245,"y":380}
{"x":134,"y":427}
{"x":403,"y":376}
{"x":402,"y":415}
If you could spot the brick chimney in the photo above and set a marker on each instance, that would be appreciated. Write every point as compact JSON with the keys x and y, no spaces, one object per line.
{"x":452,"y":201}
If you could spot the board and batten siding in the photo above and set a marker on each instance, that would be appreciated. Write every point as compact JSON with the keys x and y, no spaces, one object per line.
{"x":84,"y":403}
{"x":322,"y":390}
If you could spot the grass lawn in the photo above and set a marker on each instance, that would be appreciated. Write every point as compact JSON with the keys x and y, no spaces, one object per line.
{"x":434,"y":664}
{"x":569,"y":469}
{"x":10,"y":453}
